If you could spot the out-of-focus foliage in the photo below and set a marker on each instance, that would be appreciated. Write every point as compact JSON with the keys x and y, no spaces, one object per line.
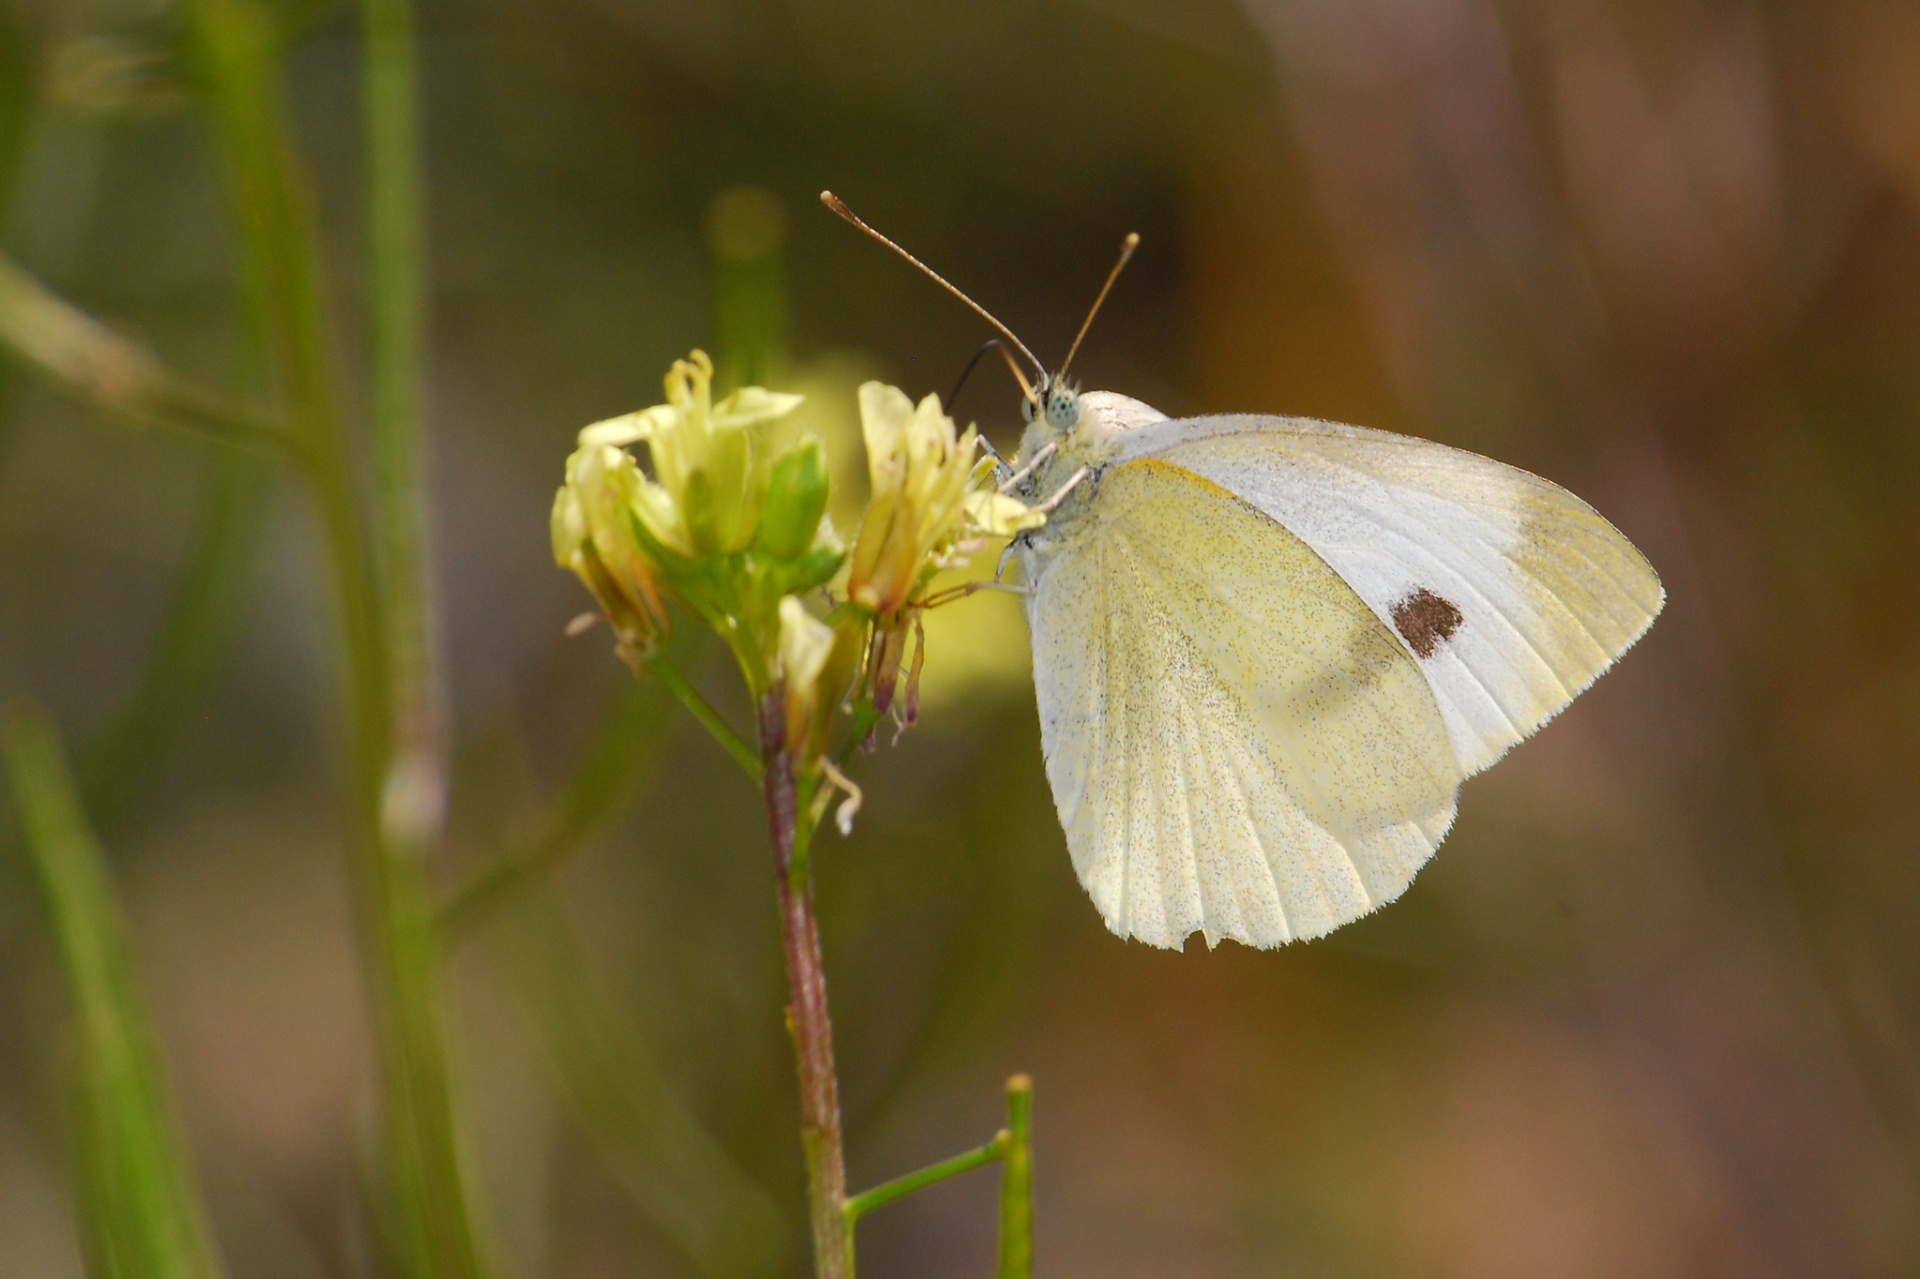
{"x":1654,"y":1009}
{"x":140,"y":1210}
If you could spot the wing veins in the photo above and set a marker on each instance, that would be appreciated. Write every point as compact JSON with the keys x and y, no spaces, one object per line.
{"x":1357,"y":690}
{"x":1133,"y":550}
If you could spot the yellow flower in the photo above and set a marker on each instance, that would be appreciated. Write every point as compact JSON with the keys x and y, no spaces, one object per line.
{"x":708,"y":476}
{"x":932,"y":500}
{"x":591,"y":536}
{"x":814,"y":663}
{"x":711,"y":522}
{"x":806,"y":643}
{"x":933,"y":505}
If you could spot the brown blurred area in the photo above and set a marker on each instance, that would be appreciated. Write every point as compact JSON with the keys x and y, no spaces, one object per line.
{"x":1654,"y":1010}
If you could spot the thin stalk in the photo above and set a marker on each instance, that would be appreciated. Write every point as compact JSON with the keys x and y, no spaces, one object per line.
{"x":414,"y":785}
{"x":1016,"y":1183}
{"x":414,"y":797}
{"x":186,"y":658}
{"x":627,"y":739}
{"x":95,"y":365}
{"x":281,"y":272}
{"x":900,"y":1187}
{"x":140,"y":1209}
{"x":652,"y":1143}
{"x":422,"y":1164}
{"x":709,"y":718}
{"x":807,"y":1015}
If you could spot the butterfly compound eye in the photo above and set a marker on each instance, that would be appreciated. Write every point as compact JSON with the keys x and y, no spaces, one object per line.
{"x":1063,"y":408}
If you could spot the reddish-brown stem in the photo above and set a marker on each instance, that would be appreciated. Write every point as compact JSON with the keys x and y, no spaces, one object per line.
{"x":807,"y":1017}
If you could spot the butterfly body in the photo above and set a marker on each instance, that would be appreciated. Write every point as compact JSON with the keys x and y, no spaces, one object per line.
{"x":1267,"y":651}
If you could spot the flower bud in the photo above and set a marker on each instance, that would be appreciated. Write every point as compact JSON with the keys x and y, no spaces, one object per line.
{"x":796,"y":500}
{"x":592,"y":537}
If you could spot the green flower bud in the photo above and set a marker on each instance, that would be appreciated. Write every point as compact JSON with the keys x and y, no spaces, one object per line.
{"x":796,"y":500}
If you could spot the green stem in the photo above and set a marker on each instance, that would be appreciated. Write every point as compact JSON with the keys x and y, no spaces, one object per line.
{"x":900,"y":1187}
{"x":395,"y":791}
{"x":94,"y":364}
{"x":413,"y":799}
{"x":626,"y":739}
{"x":672,"y":1167}
{"x":1016,"y":1183}
{"x":140,"y":1208}
{"x":703,"y":710}
{"x":414,"y":784}
{"x":807,"y":1015}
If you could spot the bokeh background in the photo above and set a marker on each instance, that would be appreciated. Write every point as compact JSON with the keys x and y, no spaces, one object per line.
{"x":1654,"y":1010}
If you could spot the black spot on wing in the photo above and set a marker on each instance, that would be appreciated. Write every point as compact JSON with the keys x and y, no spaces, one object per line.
{"x":1426,"y":621}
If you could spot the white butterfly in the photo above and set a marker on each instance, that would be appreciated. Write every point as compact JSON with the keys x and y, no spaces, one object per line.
{"x":1268,"y":650}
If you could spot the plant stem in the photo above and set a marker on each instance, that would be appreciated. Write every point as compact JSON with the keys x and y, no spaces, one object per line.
{"x":413,"y":785}
{"x":807,"y":1016}
{"x":1016,"y":1183}
{"x":186,"y":658}
{"x":604,"y":779}
{"x":140,"y":1209}
{"x":414,"y":797}
{"x":94,"y":364}
{"x":650,"y":1141}
{"x":702,"y":710}
{"x":900,"y":1187}
{"x":395,"y":792}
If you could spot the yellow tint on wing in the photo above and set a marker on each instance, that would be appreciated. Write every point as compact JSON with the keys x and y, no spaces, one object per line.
{"x":1237,"y":745}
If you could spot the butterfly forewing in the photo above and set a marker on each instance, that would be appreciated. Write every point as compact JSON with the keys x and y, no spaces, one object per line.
{"x":1512,"y":593}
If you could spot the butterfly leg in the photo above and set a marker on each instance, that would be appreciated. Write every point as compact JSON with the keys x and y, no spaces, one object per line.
{"x":1001,"y":470}
{"x":1060,"y":494}
{"x":955,"y":593}
{"x":1006,"y":558}
{"x":1039,"y":459}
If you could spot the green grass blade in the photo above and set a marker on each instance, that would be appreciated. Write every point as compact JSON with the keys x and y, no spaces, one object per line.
{"x":142,"y":1214}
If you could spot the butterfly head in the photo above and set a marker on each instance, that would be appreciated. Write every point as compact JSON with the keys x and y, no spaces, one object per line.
{"x":1055,"y":401}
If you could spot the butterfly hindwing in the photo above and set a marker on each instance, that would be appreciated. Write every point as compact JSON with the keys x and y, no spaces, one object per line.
{"x":1237,"y":744}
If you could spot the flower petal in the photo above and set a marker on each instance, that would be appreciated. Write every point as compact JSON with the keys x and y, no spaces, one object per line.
{"x":750,"y":405}
{"x":1001,"y":515}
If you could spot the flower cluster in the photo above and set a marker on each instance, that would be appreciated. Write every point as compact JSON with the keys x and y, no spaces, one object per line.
{"x":934,"y":504}
{"x":719,"y":527}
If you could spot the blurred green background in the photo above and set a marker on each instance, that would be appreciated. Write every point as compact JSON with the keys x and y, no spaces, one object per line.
{"x":1655,"y":1008}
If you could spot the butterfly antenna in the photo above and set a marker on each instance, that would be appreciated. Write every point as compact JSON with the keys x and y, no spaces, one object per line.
{"x":1026,"y":387}
{"x":1127,"y":246}
{"x":839,"y":206}
{"x":967,"y":372}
